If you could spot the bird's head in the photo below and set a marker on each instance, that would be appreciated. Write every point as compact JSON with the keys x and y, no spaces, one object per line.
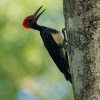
{"x":31,"y":21}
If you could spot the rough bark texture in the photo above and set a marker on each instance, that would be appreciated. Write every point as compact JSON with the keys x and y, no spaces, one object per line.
{"x":82,"y":21}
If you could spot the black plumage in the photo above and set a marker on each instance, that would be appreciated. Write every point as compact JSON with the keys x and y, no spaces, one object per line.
{"x":54,"y":50}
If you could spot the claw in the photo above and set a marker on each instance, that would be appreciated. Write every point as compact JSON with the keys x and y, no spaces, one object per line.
{"x":65,"y":39}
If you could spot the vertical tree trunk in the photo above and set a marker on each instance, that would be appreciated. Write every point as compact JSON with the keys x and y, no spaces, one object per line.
{"x":82,"y":20}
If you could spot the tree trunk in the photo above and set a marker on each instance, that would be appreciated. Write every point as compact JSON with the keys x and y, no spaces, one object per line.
{"x":82,"y":21}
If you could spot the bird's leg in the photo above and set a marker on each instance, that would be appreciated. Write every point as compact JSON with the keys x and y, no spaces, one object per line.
{"x":65,"y":42}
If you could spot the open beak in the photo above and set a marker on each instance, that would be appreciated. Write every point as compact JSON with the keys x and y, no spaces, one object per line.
{"x":37,"y":16}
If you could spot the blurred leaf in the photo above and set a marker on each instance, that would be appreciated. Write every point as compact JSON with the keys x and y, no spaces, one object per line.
{"x":22,"y":52}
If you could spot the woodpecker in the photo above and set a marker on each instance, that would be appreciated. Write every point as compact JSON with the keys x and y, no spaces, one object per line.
{"x":53,"y":40}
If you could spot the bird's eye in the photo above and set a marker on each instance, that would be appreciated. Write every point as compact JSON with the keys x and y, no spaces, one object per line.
{"x":30,"y":19}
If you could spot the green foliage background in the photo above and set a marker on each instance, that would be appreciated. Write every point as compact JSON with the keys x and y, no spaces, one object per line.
{"x":24,"y":62}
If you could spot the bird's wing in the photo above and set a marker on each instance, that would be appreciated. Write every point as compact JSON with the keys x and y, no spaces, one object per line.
{"x":55,"y":53}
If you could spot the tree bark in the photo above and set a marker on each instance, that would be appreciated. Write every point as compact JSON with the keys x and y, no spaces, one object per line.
{"x":82,"y":21}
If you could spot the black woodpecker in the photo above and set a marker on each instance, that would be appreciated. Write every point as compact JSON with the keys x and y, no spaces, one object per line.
{"x":53,"y":41}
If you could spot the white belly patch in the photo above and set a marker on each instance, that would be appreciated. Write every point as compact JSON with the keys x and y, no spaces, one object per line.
{"x":59,"y":38}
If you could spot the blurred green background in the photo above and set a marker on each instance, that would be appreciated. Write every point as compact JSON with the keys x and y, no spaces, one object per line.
{"x":26,"y":70}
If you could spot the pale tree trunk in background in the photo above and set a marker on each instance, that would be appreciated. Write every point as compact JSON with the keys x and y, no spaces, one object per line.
{"x":82,"y":20}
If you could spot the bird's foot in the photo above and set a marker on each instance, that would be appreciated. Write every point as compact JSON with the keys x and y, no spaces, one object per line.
{"x":65,"y":42}
{"x":64,"y":34}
